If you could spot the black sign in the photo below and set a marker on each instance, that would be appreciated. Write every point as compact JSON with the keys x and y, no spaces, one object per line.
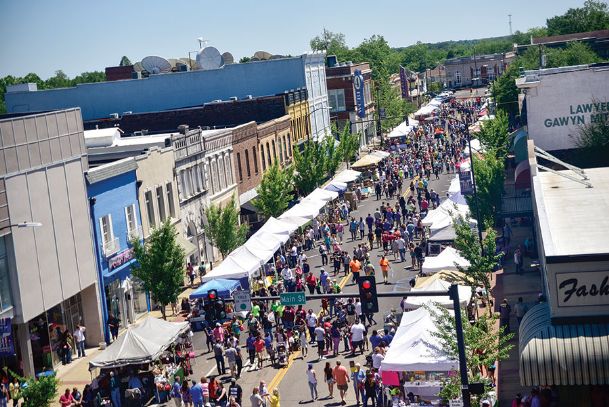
{"x":465,"y":181}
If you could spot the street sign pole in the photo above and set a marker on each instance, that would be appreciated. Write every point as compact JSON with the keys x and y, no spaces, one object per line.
{"x":454,"y":295}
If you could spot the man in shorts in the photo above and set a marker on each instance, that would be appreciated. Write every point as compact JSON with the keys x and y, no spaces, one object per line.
{"x":341,"y":376}
{"x":320,"y":338}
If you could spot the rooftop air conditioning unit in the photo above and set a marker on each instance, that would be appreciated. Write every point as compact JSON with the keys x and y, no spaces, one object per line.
{"x":233,"y":98}
{"x":114,"y":116}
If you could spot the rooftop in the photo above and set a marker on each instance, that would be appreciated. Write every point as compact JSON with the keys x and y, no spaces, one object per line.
{"x":573,"y":218}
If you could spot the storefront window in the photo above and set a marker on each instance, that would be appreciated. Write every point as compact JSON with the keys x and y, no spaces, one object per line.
{"x":113,"y":301}
{"x":5,"y":285}
{"x":41,"y":345}
{"x":139,"y":298}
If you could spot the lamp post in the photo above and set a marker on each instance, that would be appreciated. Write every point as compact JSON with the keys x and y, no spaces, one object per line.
{"x":23,"y":224}
{"x":315,"y":110}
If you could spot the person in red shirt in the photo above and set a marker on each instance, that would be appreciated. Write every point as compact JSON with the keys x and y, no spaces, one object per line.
{"x":66,"y":399}
{"x":259,"y":348}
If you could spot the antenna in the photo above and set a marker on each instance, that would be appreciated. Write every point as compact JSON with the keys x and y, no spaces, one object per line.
{"x":510,"y":23}
{"x":202,"y":42}
{"x":209,"y":58}
{"x":155,"y":64}
{"x":228,"y":58}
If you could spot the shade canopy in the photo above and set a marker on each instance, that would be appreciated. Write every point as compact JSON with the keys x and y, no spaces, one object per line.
{"x":322,"y":195}
{"x":347,"y":176}
{"x":444,"y":261}
{"x":465,"y":294}
{"x":403,"y":129}
{"x":414,"y":346}
{"x":372,"y":158}
{"x":141,"y":343}
{"x":442,"y":216}
{"x":224,"y":287}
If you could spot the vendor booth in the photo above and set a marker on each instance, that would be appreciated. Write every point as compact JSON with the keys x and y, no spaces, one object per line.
{"x":346,"y":176}
{"x":418,"y":356}
{"x":448,"y":259}
{"x":465,"y":294}
{"x":224,"y":287}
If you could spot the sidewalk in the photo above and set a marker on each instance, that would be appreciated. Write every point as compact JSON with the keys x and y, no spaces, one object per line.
{"x":510,"y":285}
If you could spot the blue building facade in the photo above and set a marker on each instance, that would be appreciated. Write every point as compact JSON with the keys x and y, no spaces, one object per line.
{"x":112,"y":192}
{"x":186,"y":89}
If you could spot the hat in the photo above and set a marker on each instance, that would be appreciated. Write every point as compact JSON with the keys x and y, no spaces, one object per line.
{"x":218,"y":324}
{"x":233,"y":380}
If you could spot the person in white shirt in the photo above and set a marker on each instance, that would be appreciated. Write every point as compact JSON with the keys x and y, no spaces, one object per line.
{"x":286,"y":274}
{"x":79,"y":338}
{"x":377,"y":358}
{"x":311,"y":319}
{"x":357,"y":337}
{"x":358,"y":310}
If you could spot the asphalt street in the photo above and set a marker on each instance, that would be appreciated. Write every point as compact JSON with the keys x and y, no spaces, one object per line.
{"x":292,"y":380}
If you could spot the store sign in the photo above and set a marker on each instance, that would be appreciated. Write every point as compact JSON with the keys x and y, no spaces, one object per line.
{"x":360,"y":101}
{"x":465,"y":181}
{"x":583,"y":289}
{"x":243,"y":301}
{"x":403,"y":82}
{"x":580,"y":115}
{"x":119,"y":259}
{"x":6,"y":337}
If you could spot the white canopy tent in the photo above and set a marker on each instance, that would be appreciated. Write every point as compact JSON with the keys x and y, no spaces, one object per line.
{"x":454,"y":185}
{"x":142,"y":343}
{"x":444,"y":261}
{"x":321,"y":195}
{"x":465,"y":294}
{"x":307,"y":210}
{"x":346,"y":176}
{"x":403,"y":129}
{"x":229,"y":268}
{"x":276,"y":226}
{"x":414,"y":347}
{"x":442,"y":216}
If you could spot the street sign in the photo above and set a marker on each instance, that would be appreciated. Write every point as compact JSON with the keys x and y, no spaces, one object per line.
{"x":295,"y":298}
{"x":382,"y":113}
{"x":243,"y":301}
{"x":455,"y":403}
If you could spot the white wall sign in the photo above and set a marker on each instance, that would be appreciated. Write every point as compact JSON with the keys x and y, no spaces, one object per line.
{"x":582,"y":288}
{"x":243,"y":301}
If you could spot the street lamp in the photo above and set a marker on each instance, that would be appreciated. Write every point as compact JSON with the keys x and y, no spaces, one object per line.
{"x":23,"y":224}
{"x":315,"y":110}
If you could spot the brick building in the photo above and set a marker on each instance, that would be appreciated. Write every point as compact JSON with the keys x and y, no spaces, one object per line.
{"x":340,"y":80}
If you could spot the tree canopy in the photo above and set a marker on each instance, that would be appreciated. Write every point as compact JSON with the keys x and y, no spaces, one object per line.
{"x":125,"y":61}
{"x":224,"y":230}
{"x":594,"y":15}
{"x":274,"y":191}
{"x":160,"y":264}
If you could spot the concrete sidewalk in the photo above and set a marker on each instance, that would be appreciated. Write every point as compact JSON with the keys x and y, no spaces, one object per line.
{"x":510,"y":285}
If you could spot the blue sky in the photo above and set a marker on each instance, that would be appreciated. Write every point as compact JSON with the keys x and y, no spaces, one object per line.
{"x":84,"y":35}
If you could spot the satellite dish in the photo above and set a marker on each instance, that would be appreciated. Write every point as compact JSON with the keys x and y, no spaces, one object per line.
{"x":155,"y":64}
{"x":137,"y":67}
{"x":228,"y":59}
{"x":209,"y":58}
{"x":262,"y":55}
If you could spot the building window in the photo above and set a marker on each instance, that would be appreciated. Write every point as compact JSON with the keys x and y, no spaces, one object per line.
{"x":150,"y":208}
{"x":274,"y":151}
{"x":367,"y":93}
{"x":131,"y":221}
{"x":290,"y":145}
{"x":337,"y":100}
{"x":457,"y":78}
{"x":268,"y":154}
{"x":160,"y":200}
{"x":172,"y":206}
{"x":239,"y":169}
{"x":6,"y":301}
{"x":222,"y":172}
{"x":228,"y":163}
{"x":280,"y":150}
{"x":107,"y":234}
{"x":255,"y":158}
{"x":214,"y":173}
{"x":285,"y":148}
{"x":247,"y":163}
{"x":262,"y":158}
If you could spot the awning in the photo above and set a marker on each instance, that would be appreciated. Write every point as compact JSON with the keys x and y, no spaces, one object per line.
{"x":522,"y":175}
{"x":562,"y":355}
{"x":188,"y":247}
{"x":520,"y":145}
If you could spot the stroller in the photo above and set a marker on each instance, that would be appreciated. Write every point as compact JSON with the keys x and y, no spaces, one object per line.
{"x":295,"y":341}
{"x":282,"y":354}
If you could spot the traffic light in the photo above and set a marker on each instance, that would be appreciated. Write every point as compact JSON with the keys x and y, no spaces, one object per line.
{"x":367,"y":294}
{"x":220,"y":311}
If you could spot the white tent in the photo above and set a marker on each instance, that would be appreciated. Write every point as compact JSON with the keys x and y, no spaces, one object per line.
{"x":307,"y":210}
{"x":321,"y":195}
{"x":403,"y":129}
{"x":380,"y":153}
{"x":414,"y":347}
{"x":263,"y":241}
{"x":465,"y":294}
{"x":297,"y":221}
{"x":442,"y":216}
{"x":454,"y":185}
{"x":346,"y":176}
{"x":276,"y":226}
{"x":444,"y":261}
{"x":142,"y":343}
{"x":229,"y":268}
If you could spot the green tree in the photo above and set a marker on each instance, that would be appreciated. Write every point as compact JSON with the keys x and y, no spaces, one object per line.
{"x":494,"y":134}
{"x":160,"y":264}
{"x":332,"y":43}
{"x":489,"y":173}
{"x":594,"y":15}
{"x":89,"y":77}
{"x":37,"y":392}
{"x":481,"y":262}
{"x":309,"y":167}
{"x":505,"y":92}
{"x":592,"y":141}
{"x":274,"y":191}
{"x":223,"y":229}
{"x":482,"y":346}
{"x":245,"y":60}
{"x":60,"y":80}
{"x":125,"y":61}
{"x":332,"y":153}
{"x":574,"y":53}
{"x":348,"y":145}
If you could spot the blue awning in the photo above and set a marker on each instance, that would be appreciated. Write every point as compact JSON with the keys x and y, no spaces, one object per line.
{"x":225,"y":288}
